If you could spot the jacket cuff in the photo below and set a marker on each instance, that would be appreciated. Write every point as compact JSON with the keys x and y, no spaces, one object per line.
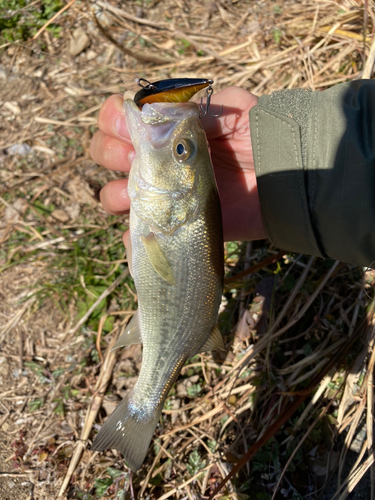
{"x":278,"y":147}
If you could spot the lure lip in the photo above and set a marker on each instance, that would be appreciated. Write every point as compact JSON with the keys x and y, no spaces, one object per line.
{"x":169,"y":90}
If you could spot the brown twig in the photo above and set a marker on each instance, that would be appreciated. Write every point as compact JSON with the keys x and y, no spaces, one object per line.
{"x":100,"y":388}
{"x":301,"y":441}
{"x":136,"y":55}
{"x":282,"y":419}
{"x":264,"y":263}
{"x":53,"y":18}
{"x":99,"y":335}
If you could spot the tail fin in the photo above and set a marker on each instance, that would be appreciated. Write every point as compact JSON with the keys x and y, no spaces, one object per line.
{"x":127,"y":432}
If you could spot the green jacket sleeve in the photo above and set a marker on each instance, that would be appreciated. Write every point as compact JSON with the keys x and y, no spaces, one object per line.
{"x":314,"y":155}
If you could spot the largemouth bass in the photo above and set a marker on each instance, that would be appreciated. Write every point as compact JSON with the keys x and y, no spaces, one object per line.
{"x":176,"y":260}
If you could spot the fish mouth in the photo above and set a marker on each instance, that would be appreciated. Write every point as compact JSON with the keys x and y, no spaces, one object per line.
{"x":168,"y":111}
{"x":155,"y":122}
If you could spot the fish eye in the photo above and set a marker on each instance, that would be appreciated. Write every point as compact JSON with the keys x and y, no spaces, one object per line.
{"x":183,"y":149}
{"x":180,"y":149}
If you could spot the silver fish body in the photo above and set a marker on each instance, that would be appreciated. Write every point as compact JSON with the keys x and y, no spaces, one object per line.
{"x":176,"y":261}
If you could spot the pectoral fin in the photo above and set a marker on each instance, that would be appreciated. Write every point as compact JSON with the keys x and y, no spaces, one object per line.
{"x":214,"y":342}
{"x":157,"y":258}
{"x":131,"y":335}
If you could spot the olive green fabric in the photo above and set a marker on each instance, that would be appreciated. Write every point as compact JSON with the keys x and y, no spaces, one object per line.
{"x":314,"y":155}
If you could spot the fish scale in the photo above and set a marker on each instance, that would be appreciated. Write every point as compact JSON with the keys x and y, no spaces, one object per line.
{"x":177,"y":264}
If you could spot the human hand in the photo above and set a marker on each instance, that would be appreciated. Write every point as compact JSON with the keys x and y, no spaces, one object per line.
{"x":231,"y":152}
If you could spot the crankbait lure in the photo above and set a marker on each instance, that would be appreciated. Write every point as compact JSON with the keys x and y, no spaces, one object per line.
{"x":174,"y":90}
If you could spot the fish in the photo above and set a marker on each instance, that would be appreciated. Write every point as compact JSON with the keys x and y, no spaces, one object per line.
{"x":175,"y":256}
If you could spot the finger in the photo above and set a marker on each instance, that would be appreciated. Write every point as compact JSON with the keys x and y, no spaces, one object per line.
{"x":111,"y":119}
{"x":111,"y":153}
{"x":114,"y":197}
{"x":236,"y":104}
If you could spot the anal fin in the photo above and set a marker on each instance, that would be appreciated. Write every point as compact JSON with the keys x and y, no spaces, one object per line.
{"x":157,"y":258}
{"x":214,"y":341}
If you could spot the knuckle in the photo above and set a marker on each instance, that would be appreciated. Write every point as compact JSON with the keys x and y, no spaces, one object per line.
{"x":93,"y":147}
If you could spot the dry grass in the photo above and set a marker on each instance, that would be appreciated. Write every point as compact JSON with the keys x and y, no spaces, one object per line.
{"x":65,"y":290}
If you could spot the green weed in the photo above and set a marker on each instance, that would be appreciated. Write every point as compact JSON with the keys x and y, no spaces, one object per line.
{"x":102,"y":485}
{"x":182,"y":45}
{"x":194,"y":390}
{"x":195,"y":463}
{"x":21,"y":19}
{"x":35,"y":404}
{"x":39,"y":370}
{"x":277,"y":35}
{"x":82,"y":495}
{"x":212,"y":444}
{"x":82,"y":272}
{"x":60,"y":407}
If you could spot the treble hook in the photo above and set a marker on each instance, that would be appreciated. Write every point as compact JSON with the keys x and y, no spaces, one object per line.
{"x":206,"y":110}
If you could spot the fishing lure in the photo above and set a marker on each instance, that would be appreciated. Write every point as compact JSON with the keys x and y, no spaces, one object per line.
{"x":175,"y":90}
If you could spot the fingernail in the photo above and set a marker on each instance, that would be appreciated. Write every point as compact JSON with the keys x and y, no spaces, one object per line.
{"x":121,"y":127}
{"x":131,"y":156}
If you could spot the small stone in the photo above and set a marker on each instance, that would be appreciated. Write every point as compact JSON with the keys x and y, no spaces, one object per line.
{"x":22,"y":149}
{"x":91,"y":54}
{"x":14,"y":211}
{"x":11,"y":214}
{"x":73,"y":211}
{"x":81,"y":192}
{"x":60,"y":215}
{"x":168,"y":45}
{"x":79,"y":42}
{"x":100,"y":14}
{"x":92,"y":29}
